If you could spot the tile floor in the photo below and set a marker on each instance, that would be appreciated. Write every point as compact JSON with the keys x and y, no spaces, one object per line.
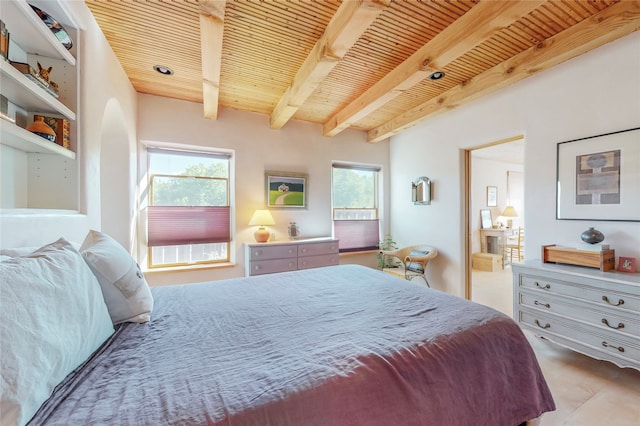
{"x":587,"y":392}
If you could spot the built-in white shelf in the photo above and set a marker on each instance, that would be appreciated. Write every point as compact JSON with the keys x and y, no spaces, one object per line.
{"x":26,"y":93}
{"x":23,"y":140}
{"x":54,"y":182}
{"x":30,"y":33}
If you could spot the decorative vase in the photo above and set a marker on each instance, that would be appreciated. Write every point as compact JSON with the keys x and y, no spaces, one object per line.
{"x":42,"y":129}
{"x":294,"y":230}
{"x":592,"y":236}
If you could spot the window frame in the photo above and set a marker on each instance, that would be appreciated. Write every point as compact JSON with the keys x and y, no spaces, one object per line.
{"x":377,"y":170}
{"x":228,"y":156}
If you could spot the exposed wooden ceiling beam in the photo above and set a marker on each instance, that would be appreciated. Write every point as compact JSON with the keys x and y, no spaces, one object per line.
{"x":612,"y":23}
{"x":470,"y":30}
{"x":348,"y":24}
{"x":211,"y":31}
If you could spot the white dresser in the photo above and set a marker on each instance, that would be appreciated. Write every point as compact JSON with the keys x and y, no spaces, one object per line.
{"x":281,"y":256}
{"x":592,"y":312}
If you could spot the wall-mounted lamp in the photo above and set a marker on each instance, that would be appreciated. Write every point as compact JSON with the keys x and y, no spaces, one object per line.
{"x":262,"y":218}
{"x":421,"y":190}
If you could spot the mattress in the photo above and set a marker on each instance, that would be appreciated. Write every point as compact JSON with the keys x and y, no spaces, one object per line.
{"x":341,"y":345}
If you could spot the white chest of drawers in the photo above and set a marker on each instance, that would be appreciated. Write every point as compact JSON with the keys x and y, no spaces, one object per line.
{"x":267,"y":258}
{"x":592,"y":312}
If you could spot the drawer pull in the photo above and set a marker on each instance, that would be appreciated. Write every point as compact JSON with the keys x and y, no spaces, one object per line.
{"x":547,"y":325}
{"x":620,"y":301}
{"x":546,"y":305}
{"x":607,"y":345}
{"x":544,"y":287}
{"x":605,"y":322}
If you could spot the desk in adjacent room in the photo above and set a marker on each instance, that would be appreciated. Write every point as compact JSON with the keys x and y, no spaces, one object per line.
{"x":494,"y":240}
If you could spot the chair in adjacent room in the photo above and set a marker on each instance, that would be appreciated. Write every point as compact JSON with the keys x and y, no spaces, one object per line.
{"x":515,"y":246}
{"x":413,"y":261}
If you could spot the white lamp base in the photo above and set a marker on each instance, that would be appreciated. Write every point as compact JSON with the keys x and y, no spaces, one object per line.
{"x":261,"y":235}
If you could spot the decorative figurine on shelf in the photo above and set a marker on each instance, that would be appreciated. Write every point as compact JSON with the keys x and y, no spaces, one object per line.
{"x":40,"y":128}
{"x":45,"y":74}
{"x":592,"y":236}
{"x":294,"y":231}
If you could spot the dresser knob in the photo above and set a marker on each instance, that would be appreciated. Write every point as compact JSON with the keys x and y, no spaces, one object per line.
{"x":620,"y":301}
{"x":605,"y":322}
{"x":546,"y":305}
{"x":544,"y":287}
{"x":607,"y":345}
{"x":547,"y":325}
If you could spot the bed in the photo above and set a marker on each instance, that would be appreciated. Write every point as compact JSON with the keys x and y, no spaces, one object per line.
{"x":341,"y":345}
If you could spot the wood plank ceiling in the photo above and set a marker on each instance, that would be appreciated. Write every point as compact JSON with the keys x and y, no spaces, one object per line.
{"x":361,"y":64}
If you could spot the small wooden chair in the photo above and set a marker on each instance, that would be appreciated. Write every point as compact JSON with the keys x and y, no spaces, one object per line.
{"x":413,"y":261}
{"x":515,"y":245}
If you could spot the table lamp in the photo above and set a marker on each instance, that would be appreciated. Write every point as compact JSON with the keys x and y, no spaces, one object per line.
{"x":262,"y":218}
{"x":509,"y":212}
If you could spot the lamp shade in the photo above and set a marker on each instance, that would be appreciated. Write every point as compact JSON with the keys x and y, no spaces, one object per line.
{"x":262,"y":218}
{"x":509,"y":211}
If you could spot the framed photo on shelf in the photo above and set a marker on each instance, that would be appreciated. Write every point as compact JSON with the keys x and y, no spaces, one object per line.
{"x":286,"y":190}
{"x":626,"y":264}
{"x":485,"y":219}
{"x":492,"y":196}
{"x":598,"y":179}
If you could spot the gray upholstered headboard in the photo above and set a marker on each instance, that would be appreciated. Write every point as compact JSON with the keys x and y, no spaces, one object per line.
{"x":37,"y":227}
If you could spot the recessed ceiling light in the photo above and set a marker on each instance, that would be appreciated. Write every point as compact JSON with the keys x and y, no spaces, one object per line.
{"x":437,"y":75}
{"x":163,"y":70}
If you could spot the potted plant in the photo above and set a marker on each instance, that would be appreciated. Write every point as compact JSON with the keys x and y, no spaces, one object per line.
{"x":385,"y":245}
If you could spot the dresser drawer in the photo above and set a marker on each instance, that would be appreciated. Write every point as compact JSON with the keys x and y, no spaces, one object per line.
{"x":273,"y":252}
{"x":607,"y":343}
{"x":317,"y":261}
{"x":260,"y":267}
{"x":605,"y":297}
{"x":268,"y":258}
{"x":318,"y":248}
{"x":611,"y":319}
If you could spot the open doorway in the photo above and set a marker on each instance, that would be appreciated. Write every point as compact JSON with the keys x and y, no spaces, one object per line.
{"x":495,"y":218}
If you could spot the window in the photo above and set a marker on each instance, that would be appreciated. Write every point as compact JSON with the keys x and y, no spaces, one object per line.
{"x":188,"y":219}
{"x":355,"y":206}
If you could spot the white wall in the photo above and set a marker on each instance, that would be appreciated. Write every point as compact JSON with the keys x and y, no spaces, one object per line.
{"x":298,"y":147}
{"x":595,"y":93}
{"x":103,"y":82}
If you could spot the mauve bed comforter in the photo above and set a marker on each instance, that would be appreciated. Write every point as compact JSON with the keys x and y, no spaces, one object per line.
{"x":342,"y":345}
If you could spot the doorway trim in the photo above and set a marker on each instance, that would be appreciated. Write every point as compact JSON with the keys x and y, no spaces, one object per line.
{"x":467,"y":204}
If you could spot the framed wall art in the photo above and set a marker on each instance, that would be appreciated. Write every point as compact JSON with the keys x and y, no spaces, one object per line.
{"x":286,"y":190}
{"x":598,"y":179}
{"x":492,"y":196}
{"x":627,"y":264}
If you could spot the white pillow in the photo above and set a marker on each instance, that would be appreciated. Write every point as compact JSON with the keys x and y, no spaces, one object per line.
{"x":17,"y":251}
{"x":125,"y":290}
{"x":23,"y":251}
{"x":53,"y":318}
